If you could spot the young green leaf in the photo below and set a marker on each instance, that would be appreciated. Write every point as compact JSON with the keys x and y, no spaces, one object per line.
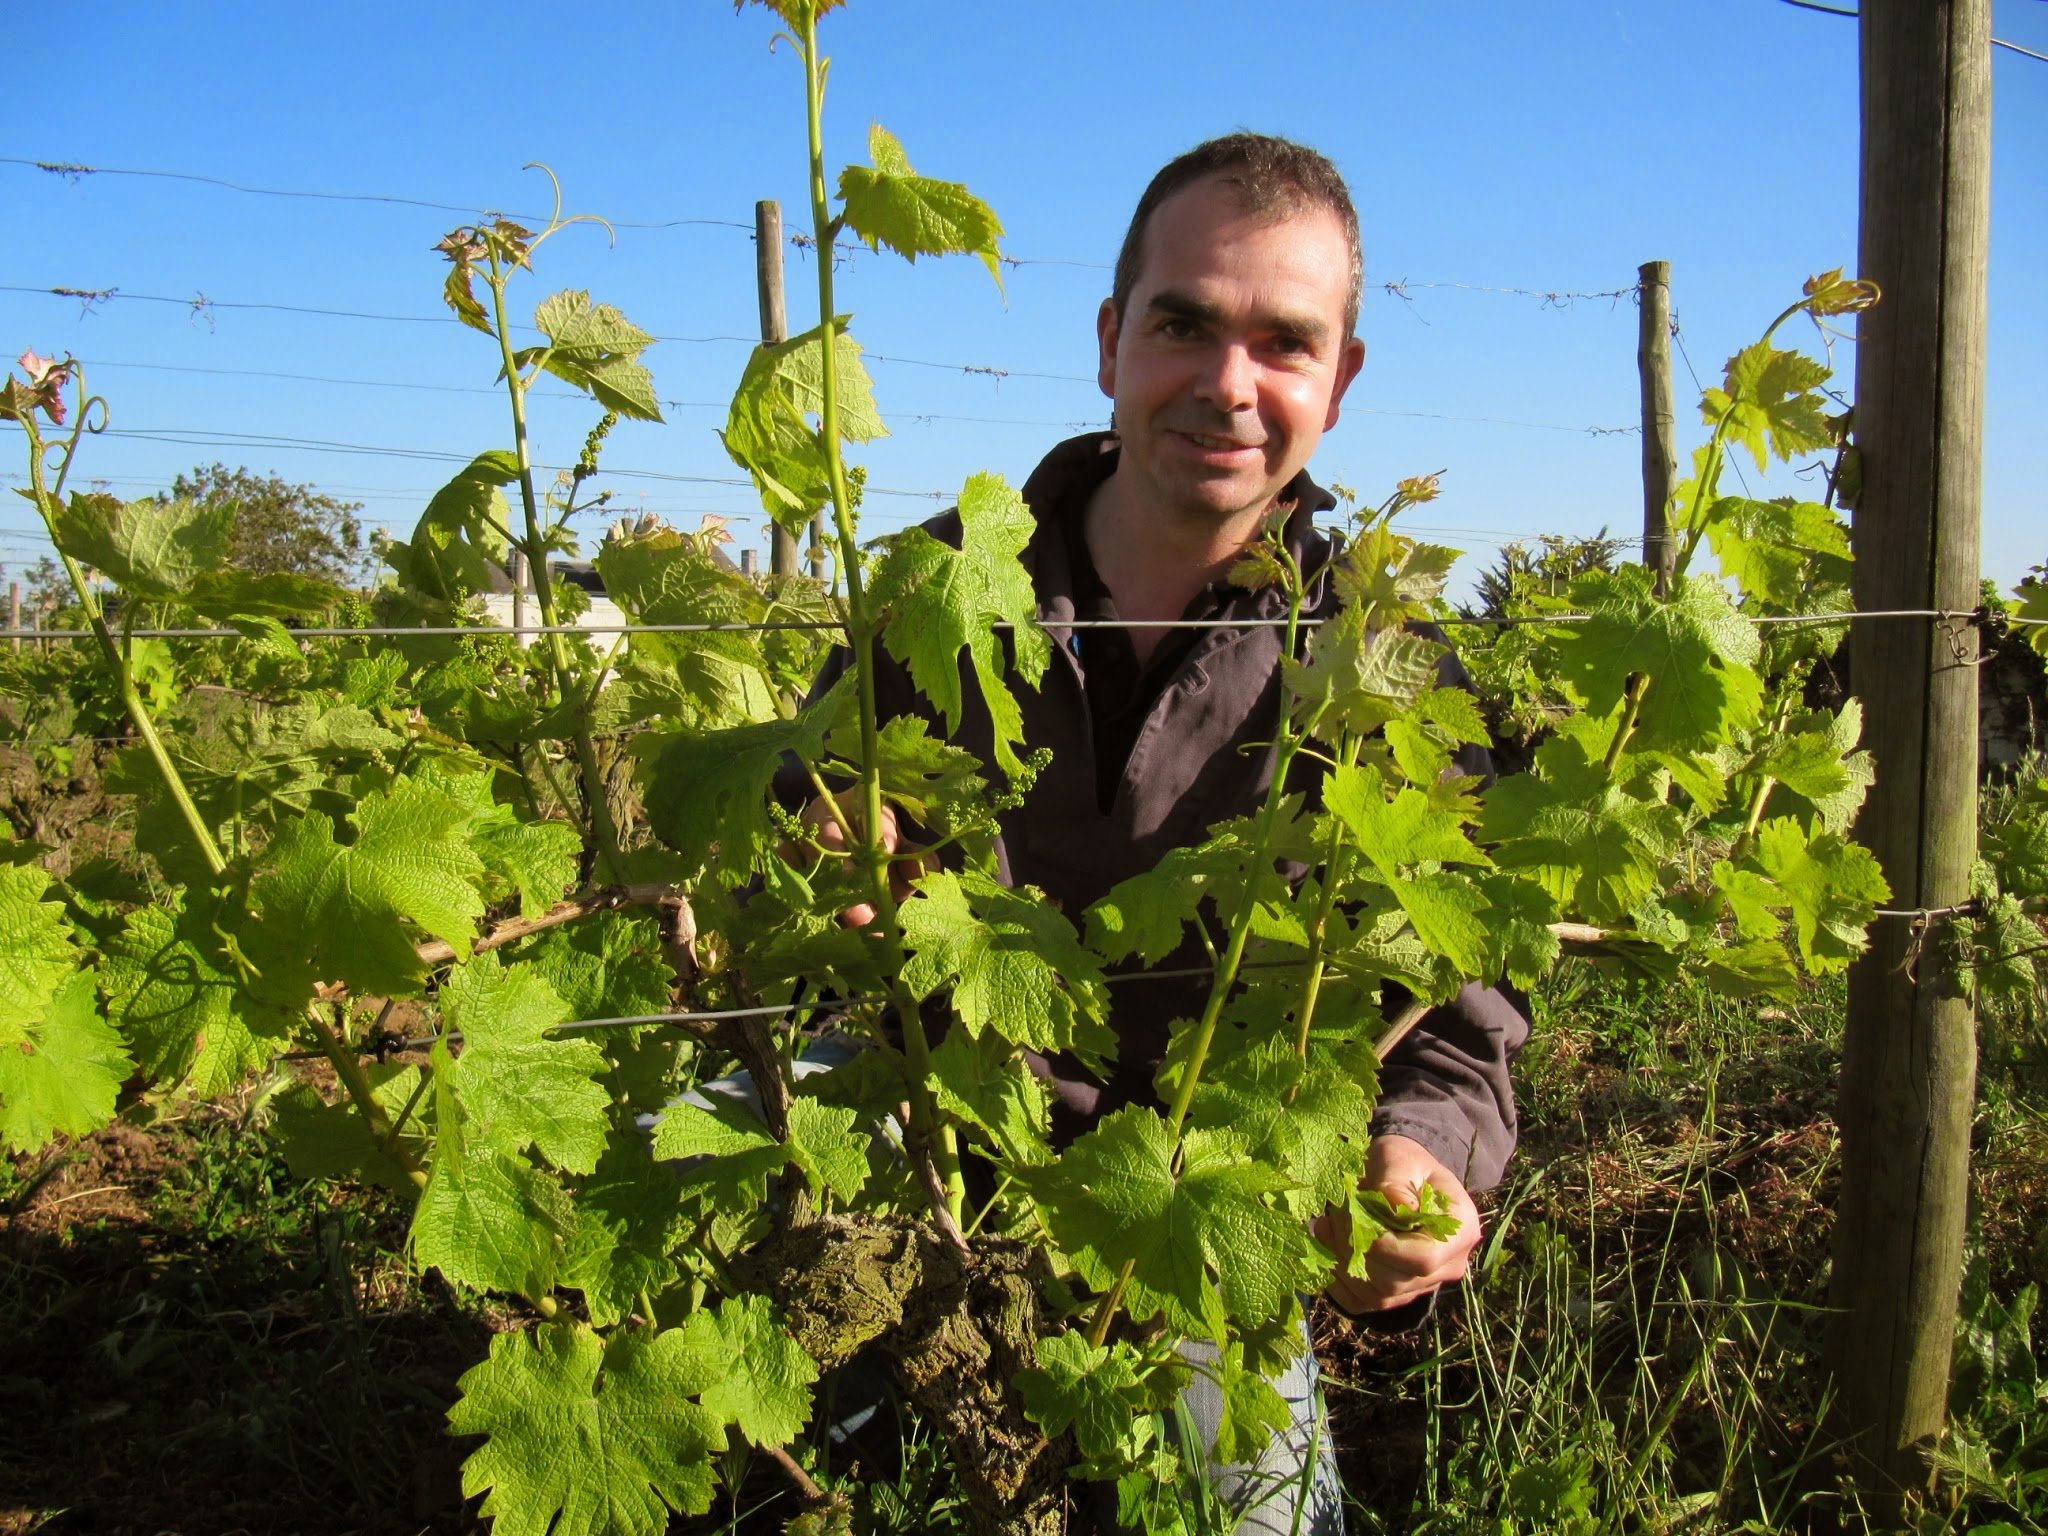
{"x":1771,"y":397}
{"x":707,"y":794}
{"x":186,"y":1014}
{"x":62,"y":1071}
{"x":939,"y":600}
{"x":1591,"y":844}
{"x":597,"y":349}
{"x":587,"y":1437}
{"x":1833,"y":886}
{"x":1253,"y":1412}
{"x":489,"y":1220}
{"x":37,"y":953}
{"x":627,"y":1218}
{"x":334,"y":1141}
{"x":769,"y":431}
{"x":915,"y":215}
{"x":982,"y":1079}
{"x":1204,"y":1241}
{"x":1316,"y":1138}
{"x":1015,"y":965}
{"x":1091,"y":1388}
{"x":460,"y":538}
{"x":148,"y":548}
{"x":1147,"y":914}
{"x":346,"y":907}
{"x":518,"y":1087}
{"x":1694,"y":649}
{"x":754,"y":1375}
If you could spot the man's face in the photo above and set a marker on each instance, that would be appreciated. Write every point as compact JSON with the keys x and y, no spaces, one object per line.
{"x":1230,"y":359}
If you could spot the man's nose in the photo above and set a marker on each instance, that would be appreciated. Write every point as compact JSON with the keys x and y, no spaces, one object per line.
{"x":1228,"y":381}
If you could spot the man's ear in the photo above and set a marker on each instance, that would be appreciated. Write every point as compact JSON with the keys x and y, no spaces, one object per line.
{"x":1107,"y":329}
{"x":1348,"y":363}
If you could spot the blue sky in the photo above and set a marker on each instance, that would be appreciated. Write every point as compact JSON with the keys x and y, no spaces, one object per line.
{"x":1544,"y":147}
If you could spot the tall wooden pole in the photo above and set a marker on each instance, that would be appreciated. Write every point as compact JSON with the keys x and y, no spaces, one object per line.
{"x":782,"y":558}
{"x":1909,"y":1059}
{"x":14,"y":612}
{"x":1660,"y":439}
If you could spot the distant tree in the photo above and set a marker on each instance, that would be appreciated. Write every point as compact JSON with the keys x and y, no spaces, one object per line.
{"x":279,"y":526}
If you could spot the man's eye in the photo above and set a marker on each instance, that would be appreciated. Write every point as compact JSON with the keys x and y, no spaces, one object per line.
{"x":1177,"y":329}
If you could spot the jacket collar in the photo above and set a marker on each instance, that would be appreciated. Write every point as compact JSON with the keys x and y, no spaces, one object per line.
{"x":1070,"y":474}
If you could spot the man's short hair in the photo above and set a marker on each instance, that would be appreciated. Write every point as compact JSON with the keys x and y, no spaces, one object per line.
{"x":1274,"y":178}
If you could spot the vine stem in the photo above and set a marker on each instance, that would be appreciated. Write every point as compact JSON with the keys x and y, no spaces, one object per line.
{"x":124,"y":678}
{"x":1710,"y":468}
{"x":1336,"y":861}
{"x":356,"y":1081}
{"x":926,"y":1129}
{"x":1287,"y":743}
{"x":601,"y":824}
{"x":1638,"y":685}
{"x":514,"y":929}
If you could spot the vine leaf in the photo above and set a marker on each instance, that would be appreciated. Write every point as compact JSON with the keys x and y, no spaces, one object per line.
{"x":346,"y":907}
{"x":517,"y":1087}
{"x":1778,"y":551}
{"x":1203,"y":1240}
{"x":148,"y":548}
{"x":333,"y":1141}
{"x":597,"y":349}
{"x":940,"y":600}
{"x":1696,"y":650}
{"x":705,"y":792}
{"x":186,"y":1018}
{"x":587,"y":1437}
{"x":62,"y":1071}
{"x":626,"y":1214}
{"x":739,"y":1153}
{"x":538,"y":859}
{"x":1592,"y":845}
{"x":1146,"y":914}
{"x":769,"y":429}
{"x":1832,"y":886}
{"x":1015,"y":966}
{"x":1092,"y":1388}
{"x":36,"y":949}
{"x":916,"y":215}
{"x":1253,"y":1412}
{"x":1316,"y":1138}
{"x":981,"y":1079}
{"x":607,"y":966}
{"x":486,"y":1219}
{"x":751,"y":1373}
{"x":459,"y":539}
{"x":1769,"y":398}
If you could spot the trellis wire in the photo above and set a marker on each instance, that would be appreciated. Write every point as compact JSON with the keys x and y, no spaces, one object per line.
{"x":482,"y":631}
{"x":765,"y":1010}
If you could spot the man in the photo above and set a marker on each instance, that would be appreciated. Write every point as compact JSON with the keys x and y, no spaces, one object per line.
{"x":1227,"y":345}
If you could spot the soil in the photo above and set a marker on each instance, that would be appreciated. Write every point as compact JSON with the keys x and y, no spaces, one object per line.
{"x":172,"y":1363}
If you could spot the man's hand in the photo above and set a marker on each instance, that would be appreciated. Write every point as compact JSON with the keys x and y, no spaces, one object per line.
{"x":1402,"y":1267}
{"x":831,"y":838}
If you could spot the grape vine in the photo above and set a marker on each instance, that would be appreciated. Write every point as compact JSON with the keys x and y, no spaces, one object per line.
{"x":491,"y":843}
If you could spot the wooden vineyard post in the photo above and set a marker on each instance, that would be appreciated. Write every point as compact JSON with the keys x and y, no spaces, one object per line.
{"x":1909,"y":1058}
{"x":782,"y":555}
{"x":1660,"y":443}
{"x":14,"y":613}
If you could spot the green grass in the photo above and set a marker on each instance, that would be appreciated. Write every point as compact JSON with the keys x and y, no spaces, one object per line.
{"x":1640,"y":1348}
